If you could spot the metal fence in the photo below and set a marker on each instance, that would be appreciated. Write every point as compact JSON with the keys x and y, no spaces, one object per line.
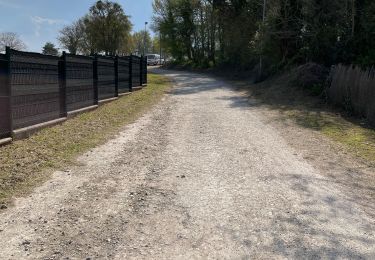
{"x":136,"y":71}
{"x":79,"y":80}
{"x":104,"y":73}
{"x":354,"y":89}
{"x":123,"y":74}
{"x":36,"y":88}
{"x":144,"y":71}
{"x":4,"y":99}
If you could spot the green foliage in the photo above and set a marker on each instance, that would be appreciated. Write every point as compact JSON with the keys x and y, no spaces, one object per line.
{"x":142,"y":42}
{"x":50,"y":49}
{"x":292,"y":32}
{"x":106,"y":28}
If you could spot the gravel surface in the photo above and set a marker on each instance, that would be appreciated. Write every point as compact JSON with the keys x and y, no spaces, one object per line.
{"x":204,"y":175}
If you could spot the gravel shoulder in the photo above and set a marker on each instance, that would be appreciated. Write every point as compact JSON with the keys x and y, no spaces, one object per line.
{"x":207,"y":174}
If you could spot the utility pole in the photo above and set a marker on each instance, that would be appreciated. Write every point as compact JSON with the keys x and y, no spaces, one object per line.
{"x":261,"y":43}
{"x":144,"y":40}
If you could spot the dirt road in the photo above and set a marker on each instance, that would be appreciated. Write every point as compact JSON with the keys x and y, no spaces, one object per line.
{"x":204,"y":175}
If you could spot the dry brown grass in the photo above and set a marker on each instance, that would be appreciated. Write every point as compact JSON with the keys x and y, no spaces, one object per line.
{"x":26,"y":163}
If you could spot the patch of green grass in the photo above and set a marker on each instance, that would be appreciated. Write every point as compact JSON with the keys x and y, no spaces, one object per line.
{"x":312,"y":112}
{"x":26,"y":163}
{"x":358,"y":139}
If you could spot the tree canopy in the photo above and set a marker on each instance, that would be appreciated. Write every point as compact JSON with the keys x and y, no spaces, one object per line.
{"x":282,"y":32}
{"x":72,"y":37}
{"x":142,"y":42}
{"x":105,"y":29}
{"x":50,"y":49}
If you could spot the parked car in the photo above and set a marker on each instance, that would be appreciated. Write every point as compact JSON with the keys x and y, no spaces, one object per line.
{"x":161,"y":61}
{"x":153,"y":59}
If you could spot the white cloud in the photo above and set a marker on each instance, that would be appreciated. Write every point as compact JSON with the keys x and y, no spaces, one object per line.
{"x":40,"y":21}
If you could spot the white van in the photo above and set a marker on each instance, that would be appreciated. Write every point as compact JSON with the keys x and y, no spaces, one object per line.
{"x":153,"y":59}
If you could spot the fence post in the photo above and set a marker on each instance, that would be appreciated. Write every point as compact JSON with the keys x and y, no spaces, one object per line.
{"x":9,"y":89}
{"x":131,"y":73}
{"x":95,"y":74}
{"x":116,"y":76}
{"x":62,"y":83}
{"x":141,"y":71}
{"x":145,"y":70}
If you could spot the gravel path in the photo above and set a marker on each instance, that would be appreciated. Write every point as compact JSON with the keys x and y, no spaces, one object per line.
{"x":202,"y":176}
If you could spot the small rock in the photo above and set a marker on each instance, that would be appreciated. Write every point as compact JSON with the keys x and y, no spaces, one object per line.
{"x":2,"y":206}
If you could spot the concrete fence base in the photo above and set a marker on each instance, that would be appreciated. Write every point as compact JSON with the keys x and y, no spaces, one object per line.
{"x":80,"y":111}
{"x":26,"y":132}
{"x":5,"y":141}
{"x":101,"y":102}
{"x":136,"y":88}
{"x":124,"y":94}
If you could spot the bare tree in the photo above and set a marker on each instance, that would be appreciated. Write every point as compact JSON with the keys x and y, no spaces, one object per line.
{"x":12,"y":40}
{"x":72,"y":37}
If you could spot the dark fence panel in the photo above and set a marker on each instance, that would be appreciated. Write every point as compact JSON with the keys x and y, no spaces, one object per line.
{"x":144,"y":70}
{"x":79,"y":78}
{"x":35,"y":88}
{"x":106,"y":78}
{"x":5,"y":127}
{"x":136,"y":71}
{"x":123,"y":74}
{"x":354,"y":89}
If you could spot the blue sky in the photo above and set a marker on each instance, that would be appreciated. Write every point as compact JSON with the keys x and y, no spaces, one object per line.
{"x":39,"y":21}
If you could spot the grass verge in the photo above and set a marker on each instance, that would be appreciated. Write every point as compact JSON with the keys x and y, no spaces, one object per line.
{"x":312,"y":112}
{"x":26,"y":163}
